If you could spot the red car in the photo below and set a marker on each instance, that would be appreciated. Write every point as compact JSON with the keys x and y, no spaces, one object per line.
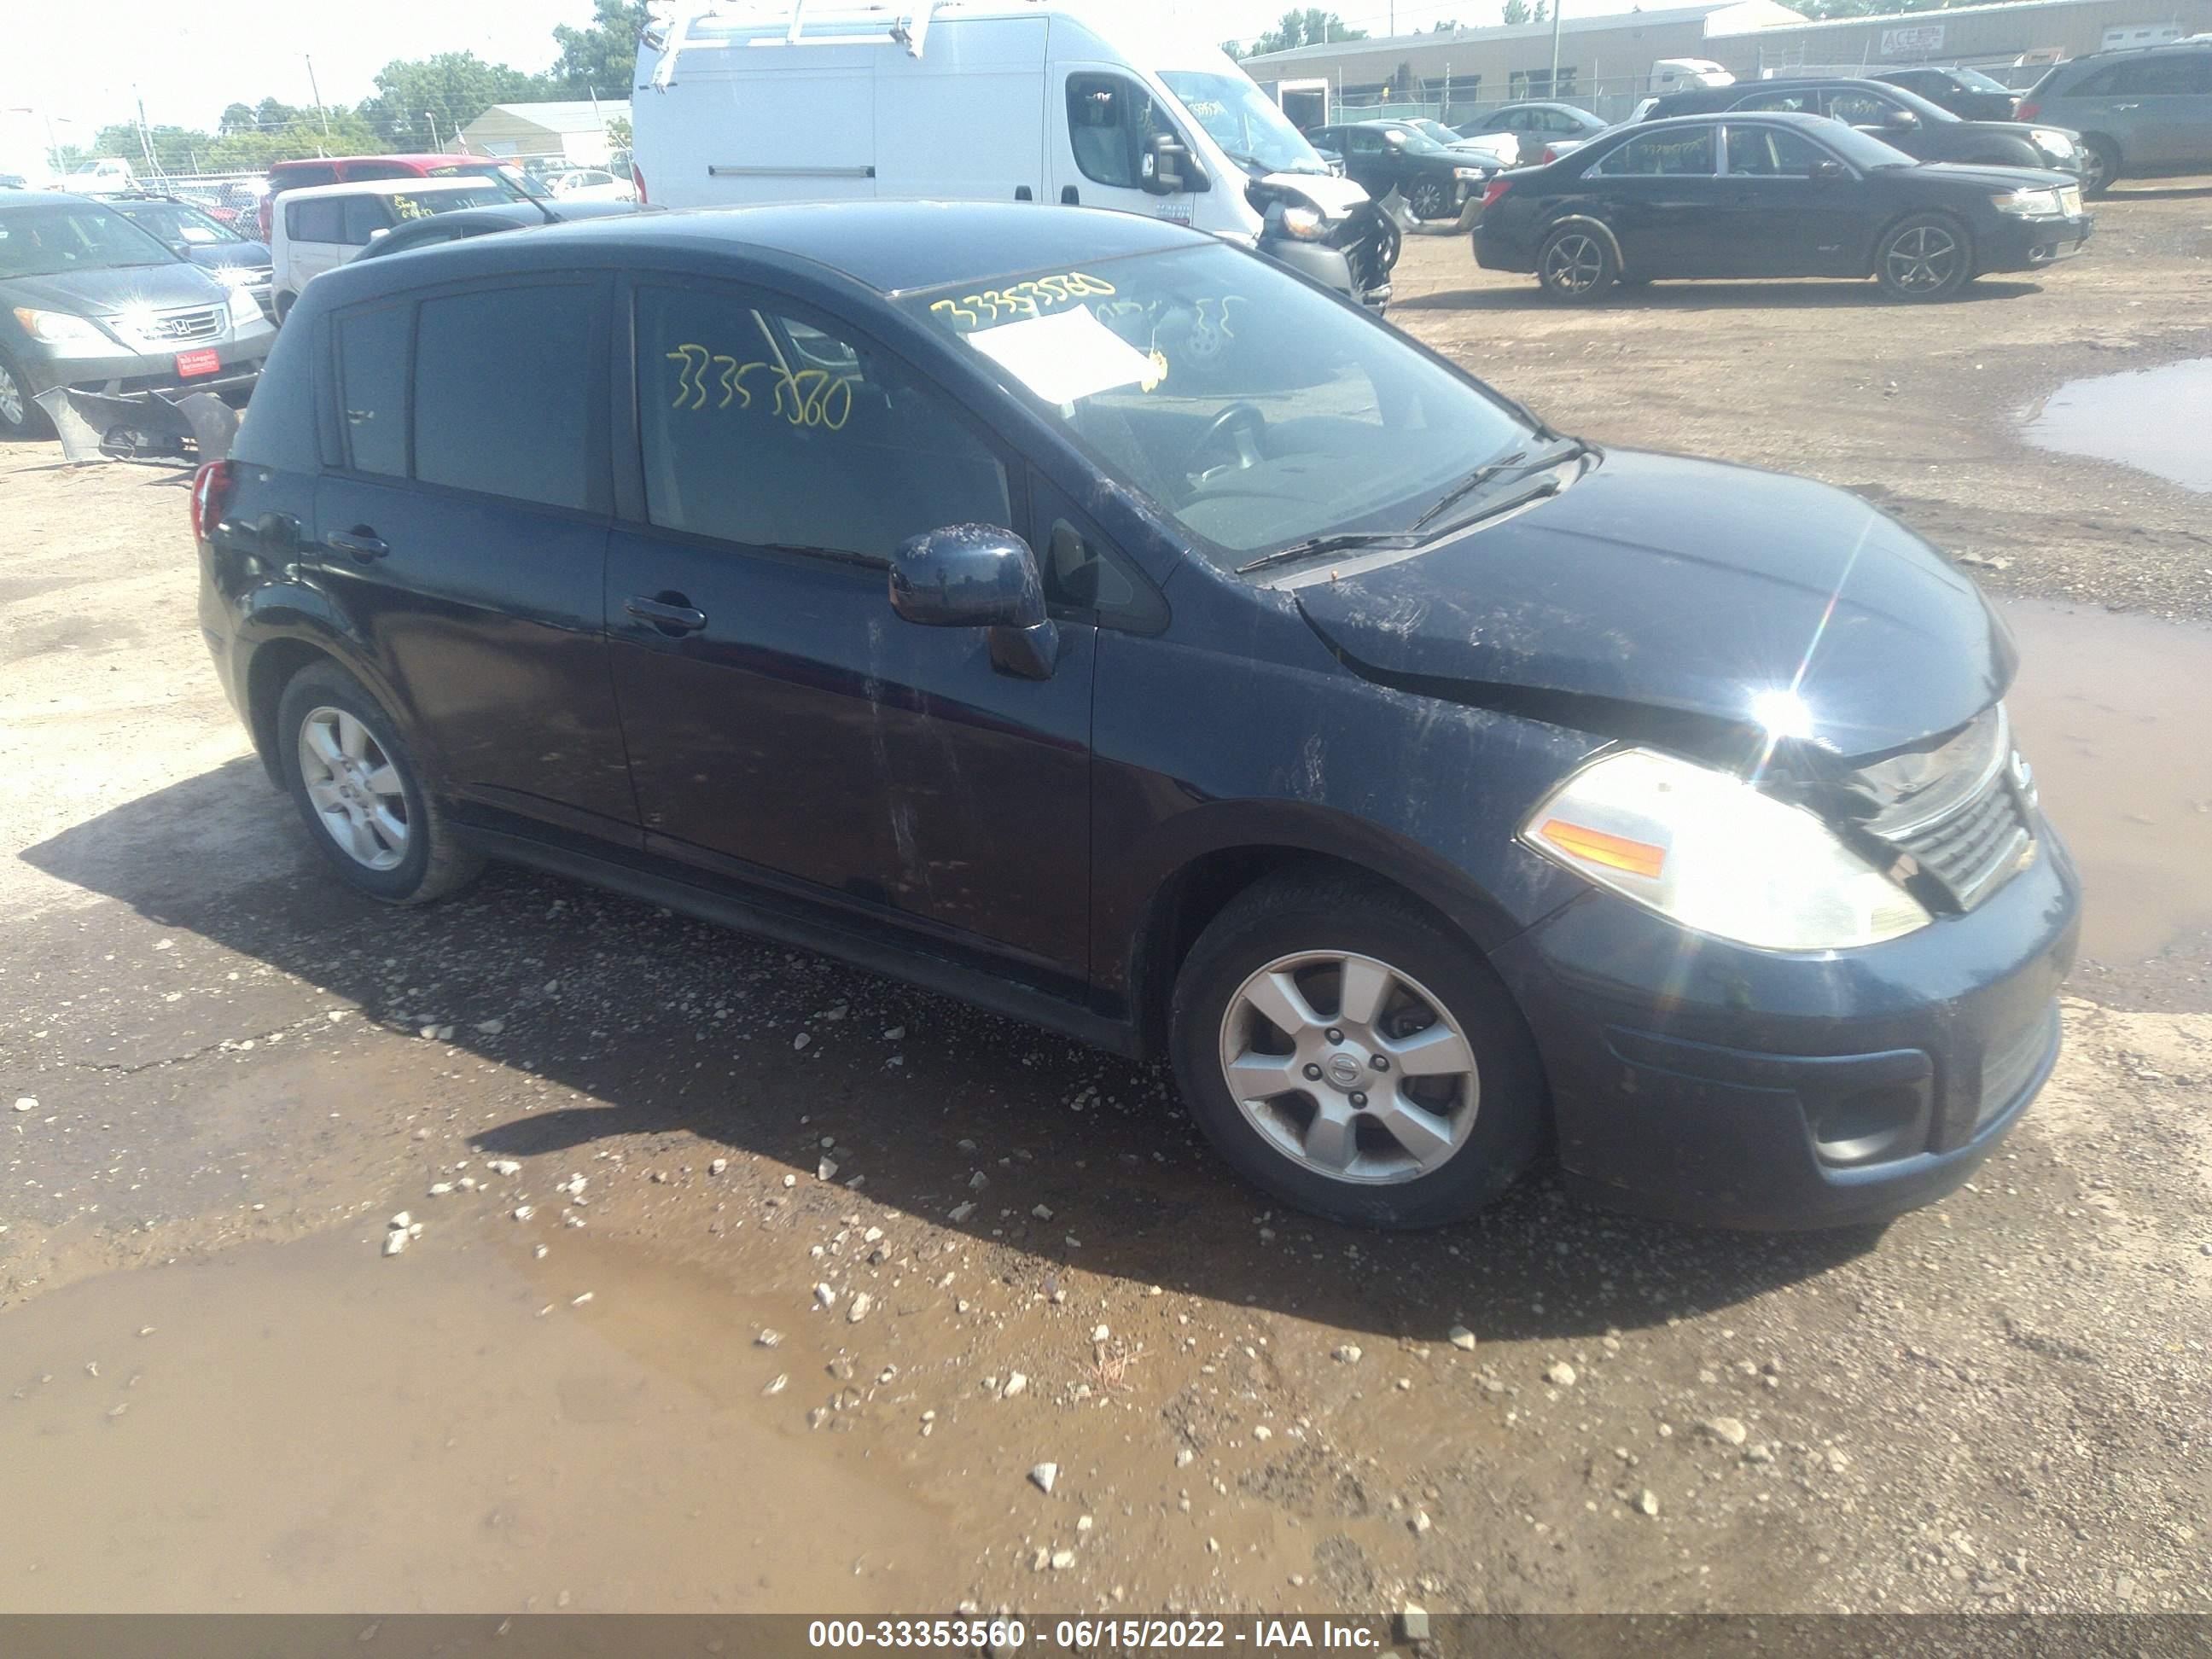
{"x":338,"y":169}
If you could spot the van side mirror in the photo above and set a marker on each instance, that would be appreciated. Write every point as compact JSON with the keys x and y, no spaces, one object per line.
{"x":1826,"y":167}
{"x":977,"y":575}
{"x":1167,"y":167}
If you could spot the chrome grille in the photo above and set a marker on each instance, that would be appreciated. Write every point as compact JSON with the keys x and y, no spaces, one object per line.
{"x":169,"y":326}
{"x":1974,"y":846}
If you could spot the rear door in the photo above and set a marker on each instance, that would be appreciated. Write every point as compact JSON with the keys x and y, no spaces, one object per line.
{"x":2157,"y":107}
{"x":784,"y":725}
{"x":1663,"y":197}
{"x":461,"y":522}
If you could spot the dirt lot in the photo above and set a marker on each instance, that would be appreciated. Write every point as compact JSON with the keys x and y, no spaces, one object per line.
{"x":645,"y":1153}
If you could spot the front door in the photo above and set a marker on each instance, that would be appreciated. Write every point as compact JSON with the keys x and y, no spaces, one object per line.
{"x":1100,"y":143}
{"x":1663,"y":198}
{"x":784,"y":724}
{"x":463,"y":527}
{"x":1778,"y":219}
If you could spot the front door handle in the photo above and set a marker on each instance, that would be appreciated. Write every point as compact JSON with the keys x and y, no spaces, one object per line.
{"x":671,"y":613}
{"x":2127,"y":106}
{"x":361,"y":542}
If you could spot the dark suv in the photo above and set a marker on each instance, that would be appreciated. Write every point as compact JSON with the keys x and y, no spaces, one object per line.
{"x":1380,"y":157}
{"x":1904,"y":120}
{"x":1092,"y":619}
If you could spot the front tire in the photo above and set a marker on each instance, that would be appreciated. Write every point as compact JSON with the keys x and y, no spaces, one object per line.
{"x":361,"y":793}
{"x":1926,"y":257}
{"x":21,"y":421}
{"x":1344,"y":1051}
{"x":1576,"y":263}
{"x":1431,"y":201}
{"x":2100,"y":165}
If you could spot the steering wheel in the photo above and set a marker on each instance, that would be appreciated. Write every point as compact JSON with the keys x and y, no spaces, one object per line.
{"x":1242,"y":422}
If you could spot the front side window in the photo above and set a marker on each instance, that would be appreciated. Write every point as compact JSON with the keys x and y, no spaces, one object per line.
{"x":766,"y":430}
{"x":1862,"y":109}
{"x":364,"y":216}
{"x":373,"y":390}
{"x":320,"y":221}
{"x":1770,"y":153}
{"x":1110,"y":123}
{"x":1254,"y":411}
{"x":1687,"y":152}
{"x":503,"y":393}
{"x":1790,"y":102}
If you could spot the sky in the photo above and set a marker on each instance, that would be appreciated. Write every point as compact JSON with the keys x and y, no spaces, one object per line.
{"x":188,"y":58}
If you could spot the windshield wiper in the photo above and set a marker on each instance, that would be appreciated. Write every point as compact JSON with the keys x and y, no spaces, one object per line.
{"x":1317,"y":545}
{"x":1517,"y":461}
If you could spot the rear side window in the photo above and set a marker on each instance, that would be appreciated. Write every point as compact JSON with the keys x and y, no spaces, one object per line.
{"x":2153,"y":77}
{"x":381,"y":170}
{"x":503,"y":394}
{"x":322,"y":220}
{"x":763,"y":430}
{"x":364,"y":216}
{"x":1770,"y":153}
{"x":1686,"y":153}
{"x":373,"y":390}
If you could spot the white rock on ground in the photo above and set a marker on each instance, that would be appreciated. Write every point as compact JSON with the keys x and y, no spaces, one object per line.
{"x":1730,"y":1428}
{"x":1461,"y":1337}
{"x":858,"y":1309}
{"x":1559,"y":1374}
{"x":1042,"y":1475}
{"x":1016,"y":1382}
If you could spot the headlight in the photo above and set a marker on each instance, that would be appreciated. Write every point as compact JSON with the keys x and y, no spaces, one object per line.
{"x":244,"y":309}
{"x":2028,"y":203}
{"x":1302,"y":223}
{"x":237,"y":275}
{"x":2051,"y":140}
{"x":1707,"y":850}
{"x":1464,"y":173}
{"x":58,"y":327}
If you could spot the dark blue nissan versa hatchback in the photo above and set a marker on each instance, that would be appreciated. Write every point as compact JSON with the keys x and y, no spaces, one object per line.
{"x":1089,"y":619}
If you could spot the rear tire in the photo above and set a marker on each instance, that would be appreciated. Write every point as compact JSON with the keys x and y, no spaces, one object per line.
{"x":1927,"y":256}
{"x":2100,"y":165}
{"x":1576,"y":263}
{"x":21,"y":420}
{"x":361,"y":793}
{"x":1440,"y":1103}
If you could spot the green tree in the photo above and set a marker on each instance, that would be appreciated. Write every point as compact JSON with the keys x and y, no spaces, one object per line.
{"x":601,"y":58}
{"x":618,"y":132}
{"x":449,"y":91}
{"x":1516,"y":11}
{"x":1312,"y":28}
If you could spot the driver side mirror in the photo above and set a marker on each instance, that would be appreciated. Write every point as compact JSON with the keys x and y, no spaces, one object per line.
{"x":1898,"y":119}
{"x":1167,"y":167}
{"x":976,"y":575}
{"x":1827,"y":168}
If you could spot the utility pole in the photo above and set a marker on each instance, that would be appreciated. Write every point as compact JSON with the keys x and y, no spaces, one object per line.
{"x":145,"y":138}
{"x":318,"y":94}
{"x":431,"y":116}
{"x":1554,"y":91}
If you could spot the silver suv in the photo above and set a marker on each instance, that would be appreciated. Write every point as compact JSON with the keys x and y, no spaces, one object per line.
{"x":2149,"y":110}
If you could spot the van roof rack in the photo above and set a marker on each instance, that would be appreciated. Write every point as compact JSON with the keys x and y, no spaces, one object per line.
{"x":786,"y":23}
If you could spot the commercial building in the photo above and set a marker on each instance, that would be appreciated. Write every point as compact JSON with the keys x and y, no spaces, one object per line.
{"x":1605,"y":61}
{"x":573,"y":131}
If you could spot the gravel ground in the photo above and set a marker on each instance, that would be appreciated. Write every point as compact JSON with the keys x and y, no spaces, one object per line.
{"x":639,"y":1148}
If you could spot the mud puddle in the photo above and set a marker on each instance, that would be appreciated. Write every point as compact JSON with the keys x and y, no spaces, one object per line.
{"x":2153,"y":419}
{"x":2115,"y":714}
{"x":310,"y":1425}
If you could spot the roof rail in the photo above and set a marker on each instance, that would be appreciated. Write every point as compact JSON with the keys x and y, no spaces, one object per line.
{"x":804,"y":22}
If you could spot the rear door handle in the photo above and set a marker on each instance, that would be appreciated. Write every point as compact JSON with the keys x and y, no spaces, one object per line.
{"x":361,"y":542}
{"x":2127,"y":106}
{"x":671,"y":613}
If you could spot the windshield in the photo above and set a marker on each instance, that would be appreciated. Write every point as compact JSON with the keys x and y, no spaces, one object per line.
{"x":178,"y":224}
{"x":1254,"y":411}
{"x":421,"y":203}
{"x":519,"y":186}
{"x":1975,"y":81}
{"x":1436,"y":130}
{"x":1244,"y":121}
{"x":48,"y":241}
{"x":1861,"y":150}
{"x":1418,"y":142}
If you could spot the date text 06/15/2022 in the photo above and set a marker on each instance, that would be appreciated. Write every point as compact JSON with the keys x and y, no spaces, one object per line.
{"x":999,"y":1634}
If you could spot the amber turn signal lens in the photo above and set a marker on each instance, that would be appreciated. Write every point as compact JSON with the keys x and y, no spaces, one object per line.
{"x":1638,"y":858}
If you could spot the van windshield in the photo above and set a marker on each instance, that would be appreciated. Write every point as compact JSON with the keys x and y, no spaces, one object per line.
{"x":1244,"y":121}
{"x":1256,"y":412}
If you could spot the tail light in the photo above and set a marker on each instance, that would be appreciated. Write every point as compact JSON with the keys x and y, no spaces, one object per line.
{"x":637,"y":178}
{"x":1550,"y":154}
{"x":2026,"y":111}
{"x":1494,"y":189}
{"x":211,"y":496}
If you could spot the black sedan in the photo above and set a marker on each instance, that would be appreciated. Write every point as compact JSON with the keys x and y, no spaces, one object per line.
{"x":1966,"y":92}
{"x":1769,"y":196}
{"x":1380,"y":157}
{"x":1902,"y":119}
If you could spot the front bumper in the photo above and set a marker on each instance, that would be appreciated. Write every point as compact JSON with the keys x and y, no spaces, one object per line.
{"x":123,"y":373}
{"x":1332,"y":267}
{"x":2028,"y":244}
{"x":1717,"y":1085}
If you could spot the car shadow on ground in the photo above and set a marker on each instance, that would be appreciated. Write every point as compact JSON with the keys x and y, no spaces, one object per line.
{"x":1802,"y":295}
{"x":669,"y":1028}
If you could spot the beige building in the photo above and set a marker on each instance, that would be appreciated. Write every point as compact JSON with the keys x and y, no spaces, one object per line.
{"x":1605,"y":60}
{"x":574,"y":132}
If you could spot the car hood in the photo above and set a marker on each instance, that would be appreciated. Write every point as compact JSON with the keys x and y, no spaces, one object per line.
{"x":1657,"y":584}
{"x":97,"y":293}
{"x":1333,"y":195}
{"x":1996,"y":179}
{"x":224,"y":254}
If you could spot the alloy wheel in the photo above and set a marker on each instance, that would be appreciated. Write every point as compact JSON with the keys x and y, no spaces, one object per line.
{"x":1922,"y":259}
{"x":1429,"y":202}
{"x":1573,"y":264}
{"x":356,"y":790}
{"x":1350,"y":1067}
{"x":14,"y":406}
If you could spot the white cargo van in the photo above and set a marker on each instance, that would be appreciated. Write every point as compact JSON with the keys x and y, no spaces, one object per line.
{"x":991,"y":100}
